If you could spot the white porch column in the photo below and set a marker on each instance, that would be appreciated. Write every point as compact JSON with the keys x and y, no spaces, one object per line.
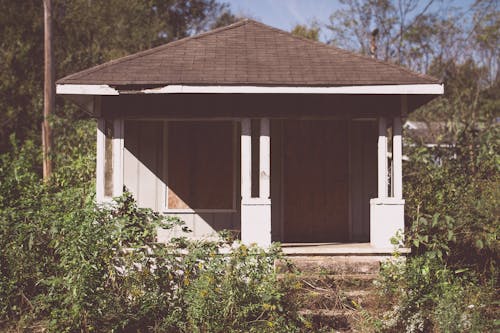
{"x":382,"y":157}
{"x":255,"y":212}
{"x":387,"y":213}
{"x":246,"y":159}
{"x":397,"y":158}
{"x":265,"y":160}
{"x":118,"y":146}
{"x":101,"y":137}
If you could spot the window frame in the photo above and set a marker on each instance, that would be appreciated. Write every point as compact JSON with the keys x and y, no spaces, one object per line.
{"x":165,"y":207}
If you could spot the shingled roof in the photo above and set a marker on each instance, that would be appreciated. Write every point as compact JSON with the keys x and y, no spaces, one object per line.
{"x":246,"y":53}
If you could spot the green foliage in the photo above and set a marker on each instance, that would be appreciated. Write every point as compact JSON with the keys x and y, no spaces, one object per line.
{"x":68,"y":265}
{"x":452,"y":197}
{"x":86,"y":33}
{"x":239,"y":293}
{"x":449,"y":283}
{"x":304,"y":31}
{"x":430,"y":297}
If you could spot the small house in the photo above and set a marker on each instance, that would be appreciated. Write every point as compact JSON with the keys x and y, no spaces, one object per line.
{"x":252,"y":129}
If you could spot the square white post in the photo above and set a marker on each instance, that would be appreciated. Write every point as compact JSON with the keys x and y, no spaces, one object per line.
{"x":101,"y":137}
{"x":265,"y":160}
{"x":255,"y":212}
{"x":382,"y":157}
{"x":118,"y":140}
{"x":246,"y":159}
{"x":397,"y":158}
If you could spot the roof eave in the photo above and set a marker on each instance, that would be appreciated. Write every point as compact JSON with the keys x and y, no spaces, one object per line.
{"x":400,"y":89}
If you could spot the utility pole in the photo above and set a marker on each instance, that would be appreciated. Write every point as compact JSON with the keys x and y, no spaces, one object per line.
{"x":49,"y":90}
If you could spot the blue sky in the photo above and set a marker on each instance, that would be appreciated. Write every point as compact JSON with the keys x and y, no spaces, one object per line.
{"x":285,"y":14}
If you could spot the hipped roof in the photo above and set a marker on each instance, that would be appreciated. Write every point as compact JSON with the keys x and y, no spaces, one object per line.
{"x":246,"y":53}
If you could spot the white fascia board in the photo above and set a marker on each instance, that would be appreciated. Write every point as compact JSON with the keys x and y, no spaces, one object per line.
{"x":85,"y":89}
{"x":407,"y":89}
{"x":404,"y":89}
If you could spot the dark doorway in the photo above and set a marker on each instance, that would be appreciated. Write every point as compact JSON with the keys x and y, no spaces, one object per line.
{"x":316,"y":181}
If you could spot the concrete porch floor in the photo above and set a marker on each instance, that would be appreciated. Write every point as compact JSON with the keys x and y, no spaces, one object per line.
{"x":337,"y":249}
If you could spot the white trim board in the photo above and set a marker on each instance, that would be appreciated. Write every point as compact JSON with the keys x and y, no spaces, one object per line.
{"x":403,"y":89}
{"x":85,"y":89}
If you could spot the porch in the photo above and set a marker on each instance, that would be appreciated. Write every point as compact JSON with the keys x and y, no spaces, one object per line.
{"x":305,"y":177}
{"x":252,"y":129}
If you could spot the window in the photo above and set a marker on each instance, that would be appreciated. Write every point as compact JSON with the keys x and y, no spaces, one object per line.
{"x":200,"y":165}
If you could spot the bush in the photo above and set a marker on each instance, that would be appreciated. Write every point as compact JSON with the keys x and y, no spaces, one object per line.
{"x":449,"y":282}
{"x":453,"y":204}
{"x":68,"y":265}
{"x":429,"y":297}
{"x":239,"y":293}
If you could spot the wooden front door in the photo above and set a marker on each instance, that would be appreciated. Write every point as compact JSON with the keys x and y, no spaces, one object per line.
{"x":315,"y":176}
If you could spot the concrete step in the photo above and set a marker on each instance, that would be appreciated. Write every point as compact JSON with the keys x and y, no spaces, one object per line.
{"x":327,"y":299}
{"x":333,"y":291}
{"x":339,"y":281}
{"x":328,"y":265}
{"x":334,"y":320}
{"x":335,"y":298}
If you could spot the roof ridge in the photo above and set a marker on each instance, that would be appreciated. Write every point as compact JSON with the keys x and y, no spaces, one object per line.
{"x":358,"y":55}
{"x":158,"y":48}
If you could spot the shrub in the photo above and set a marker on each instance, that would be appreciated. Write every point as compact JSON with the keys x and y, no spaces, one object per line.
{"x":69,"y":265}
{"x":449,"y":282}
{"x":453,"y":205}
{"x":239,"y":293}
{"x":427,"y":296}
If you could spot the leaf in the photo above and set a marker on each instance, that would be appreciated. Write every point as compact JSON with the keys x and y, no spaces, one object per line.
{"x":423,"y":221}
{"x":435,"y":220}
{"x":30,"y":242}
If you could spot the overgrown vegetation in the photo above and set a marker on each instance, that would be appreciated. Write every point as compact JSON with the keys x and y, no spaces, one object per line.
{"x":450,"y":282}
{"x":68,"y":265}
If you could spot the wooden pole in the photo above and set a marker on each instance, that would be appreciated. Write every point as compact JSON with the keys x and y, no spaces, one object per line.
{"x":49,"y":90}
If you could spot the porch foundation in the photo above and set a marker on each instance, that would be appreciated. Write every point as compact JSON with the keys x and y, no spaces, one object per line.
{"x":256,"y":221}
{"x":386,"y":220}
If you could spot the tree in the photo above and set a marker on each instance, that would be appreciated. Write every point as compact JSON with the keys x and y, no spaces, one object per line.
{"x":304,"y":31}
{"x":406,"y":29}
{"x":21,"y":71}
{"x":86,"y":33}
{"x":460,"y":47}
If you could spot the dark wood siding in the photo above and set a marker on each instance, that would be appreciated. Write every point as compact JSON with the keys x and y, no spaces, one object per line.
{"x":316,"y":181}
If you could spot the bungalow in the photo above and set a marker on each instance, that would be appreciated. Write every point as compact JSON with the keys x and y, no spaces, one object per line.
{"x":250,"y":128}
